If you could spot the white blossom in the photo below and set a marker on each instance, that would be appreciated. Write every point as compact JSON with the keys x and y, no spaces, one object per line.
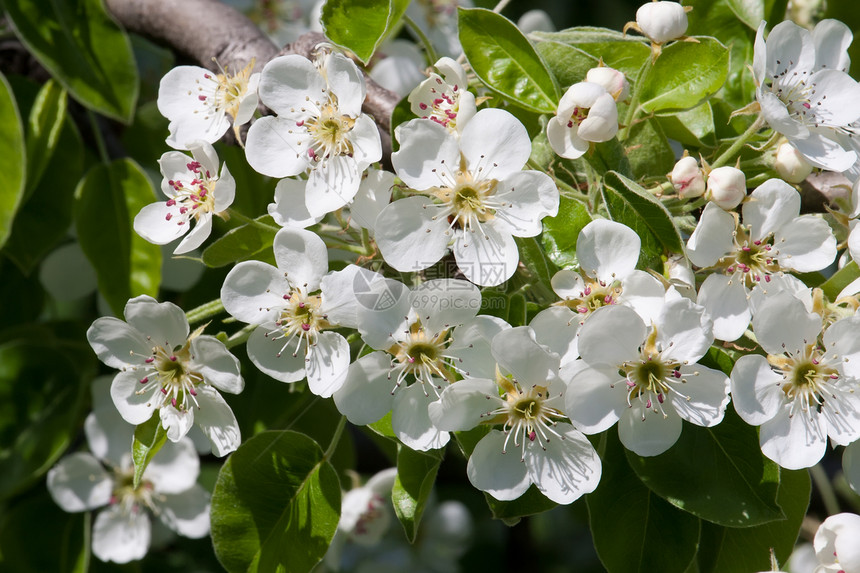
{"x":836,"y":544}
{"x":687,"y":178}
{"x":586,"y":113}
{"x":727,"y":187}
{"x":661,"y":21}
{"x":444,"y":97}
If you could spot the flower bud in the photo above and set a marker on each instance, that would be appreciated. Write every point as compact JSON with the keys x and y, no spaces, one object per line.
{"x":727,"y":187}
{"x":662,"y":21}
{"x":612,"y":81}
{"x":790,"y":164}
{"x":586,"y":113}
{"x":687,"y":178}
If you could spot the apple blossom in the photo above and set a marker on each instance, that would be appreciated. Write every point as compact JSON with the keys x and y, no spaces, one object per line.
{"x":661,"y":21}
{"x":445,"y":97}
{"x":614,"y":82}
{"x":687,"y":178}
{"x":646,"y":378}
{"x":586,"y":113}
{"x":475,"y":195}
{"x":195,"y":192}
{"x":164,"y":368}
{"x":198,"y":103}
{"x":790,"y":164}
{"x":836,"y":546}
{"x":727,"y":187}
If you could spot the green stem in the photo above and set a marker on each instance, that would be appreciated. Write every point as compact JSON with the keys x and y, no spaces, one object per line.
{"x":825,"y":488}
{"x":97,"y":134}
{"x":234,"y":214}
{"x":735,"y":147}
{"x":240,"y":337}
{"x":205,"y":311}
{"x":432,"y":57}
{"x":632,"y":108}
{"x":329,"y":452}
{"x":501,"y":6}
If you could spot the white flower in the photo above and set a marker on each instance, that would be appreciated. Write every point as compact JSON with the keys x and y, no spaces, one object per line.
{"x":535,"y":21}
{"x":727,"y":187}
{"x":836,"y":544}
{"x":164,"y":368}
{"x":476,"y":195}
{"x":790,"y":164}
{"x":851,"y":465}
{"x":557,"y":458}
{"x":804,"y":92}
{"x":319,"y":128}
{"x":198,"y":102}
{"x":438,"y":20}
{"x":773,"y":238}
{"x":586,"y":113}
{"x":687,"y":178}
{"x":398,"y":66}
{"x":291,"y":341}
{"x":168,"y":488}
{"x":613,"y":81}
{"x":366,"y":511}
{"x":607,"y":253}
{"x":802,"y":392}
{"x":445,"y":98}
{"x":416,"y":354}
{"x":662,"y":21}
{"x":646,"y":378}
{"x":195,"y":192}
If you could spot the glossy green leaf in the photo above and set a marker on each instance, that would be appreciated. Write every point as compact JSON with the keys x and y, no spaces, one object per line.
{"x":630,"y":204}
{"x":149,"y":437}
{"x":44,"y":218}
{"x":750,"y":12}
{"x":840,"y":279}
{"x":535,"y":260}
{"x":275,"y":506}
{"x":361,"y":25}
{"x":83,"y":48}
{"x":561,"y":232}
{"x":43,"y":130}
{"x":248,"y":241}
{"x":733,"y":550}
{"x":684,"y":75}
{"x":568,"y":64}
{"x":13,"y":162}
{"x":648,"y":150}
{"x":416,"y":474}
{"x":505,"y":60}
{"x":624,"y":53}
{"x":106,"y":202}
{"x":718,"y":474}
{"x":693,"y":127}
{"x":41,"y":407}
{"x":635,"y":530}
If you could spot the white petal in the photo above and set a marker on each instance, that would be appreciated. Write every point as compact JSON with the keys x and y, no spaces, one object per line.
{"x":253,"y":292}
{"x":756,"y":391}
{"x":556,"y":327}
{"x":835,"y":98}
{"x":332,"y":184}
{"x":684,"y":330}
{"x":445,"y":303}
{"x":487,"y":257}
{"x":116,"y":343}
{"x":794,"y":442}
{"x":851,"y":465}
{"x":529,"y":196}
{"x":373,"y":195}
{"x":777,"y":116}
{"x":783,"y":323}
{"x":611,"y":335}
{"x":410,"y":419}
{"x":841,"y":338}
{"x":282,"y":359}
{"x":408,"y":237}
{"x":366,"y":144}
{"x":464,"y":404}
{"x":287,"y":80}
{"x":339,"y":292}
{"x":607,"y":250}
{"x":121,"y":536}
{"x":842,"y":413}
{"x":152,"y":224}
{"x":365,"y":396}
{"x":133,"y":407}
{"x":792,"y":46}
{"x":217,"y":421}
{"x":302,"y":256}
{"x":346,"y":82}
{"x":568,"y":469}
{"x":501,"y":474}
{"x":187,"y":513}
{"x":644,"y":294}
{"x":495,"y":144}
{"x":197,"y":235}
{"x":595,"y":398}
{"x":175,"y":468}
{"x":564,"y":140}
{"x":108,"y":435}
{"x":646,"y":432}
{"x":217,"y":364}
{"x":80,"y":483}
{"x":328,"y":362}
{"x":806,"y":245}
{"x":567,"y":284}
{"x":277,"y":147}
{"x":708,"y":393}
{"x":290,"y":208}
{"x":427,"y":153}
{"x":383,"y":312}
{"x":825,"y":153}
{"x":832,"y":38}
{"x":725,"y":300}
{"x":771,"y":206}
{"x":471,"y":342}
{"x":164,"y":322}
{"x":175,"y":422}
{"x":712,"y":237}
{"x":517,"y":352}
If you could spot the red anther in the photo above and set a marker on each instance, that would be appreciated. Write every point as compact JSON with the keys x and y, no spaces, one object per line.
{"x":183,"y":210}
{"x":168,"y":217}
{"x":150,"y":360}
{"x":192,"y":391}
{"x":312,"y":154}
{"x":207,"y":76}
{"x":301,"y":305}
{"x":745,"y":249}
{"x":201,"y":97}
{"x":570,"y":124}
{"x":587,"y":291}
{"x":532,"y":436}
{"x":437,"y":101}
{"x":171,"y":202}
{"x":300,"y":123}
{"x":767,"y":278}
{"x":648,"y":403}
{"x":286,"y":297}
{"x":422,"y":105}
{"x":455,"y":88}
{"x":203,"y":193}
{"x":806,"y":105}
{"x":144,"y":380}
{"x":306,"y":327}
{"x":676,"y":373}
{"x":195,"y":197}
{"x":756,"y":243}
{"x":164,"y":390}
{"x":173,"y":358}
{"x":173,"y":402}
{"x":660,"y":398}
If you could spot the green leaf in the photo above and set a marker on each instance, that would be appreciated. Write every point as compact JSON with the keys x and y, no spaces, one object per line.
{"x":416,"y":474}
{"x":632,"y":205}
{"x":41,"y":407}
{"x":148,"y":439}
{"x":275,"y":506}
{"x":719,"y":359}
{"x":361,"y":25}
{"x":624,"y":53}
{"x":561,"y":232}
{"x":505,"y":61}
{"x":13,"y":162}
{"x":82,"y":47}
{"x":693,"y":127}
{"x":840,"y":279}
{"x":633,"y":529}
{"x":248,"y":241}
{"x":684,"y":75}
{"x":648,"y":150}
{"x":43,"y":130}
{"x":535,"y":260}
{"x":732,"y":550}
{"x":106,"y":201}
{"x":750,"y":12}
{"x":568,"y":64}
{"x":717,"y":474}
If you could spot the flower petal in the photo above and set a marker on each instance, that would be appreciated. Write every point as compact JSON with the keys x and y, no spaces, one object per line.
{"x":152,"y":224}
{"x":410,"y":419}
{"x":217,"y":421}
{"x":428,"y":154}
{"x":783,"y":323}
{"x":118,"y":344}
{"x":495,"y":144}
{"x":607,"y":250}
{"x":287,"y":80}
{"x":80,"y":483}
{"x":611,"y":335}
{"x":464,"y":404}
{"x":163,"y":322}
{"x":772,"y":205}
{"x":529,"y":196}
{"x":410,"y":236}
{"x":756,"y":391}
{"x":646,"y":432}
{"x":302,"y":256}
{"x":365,"y":396}
{"x":121,"y":535}
{"x":487,"y":257}
{"x":176,"y":422}
{"x":568,"y":469}
{"x":253,"y":292}
{"x":327,"y":364}
{"x":556,"y":328}
{"x":471,"y":342}
{"x":217,"y":364}
{"x":517,"y":352}
{"x":725,"y":300}
{"x":595,"y":398}
{"x":794,"y":442}
{"x":175,"y":468}
{"x":283,"y":360}
{"x":290,"y":208}
{"x":806,"y":245}
{"x":445,"y":303}
{"x":496,"y":471}
{"x":187,"y":513}
{"x":133,"y":407}
{"x":332,"y":184}
{"x":705,"y":395}
{"x":712,"y":238}
{"x":276,"y":147}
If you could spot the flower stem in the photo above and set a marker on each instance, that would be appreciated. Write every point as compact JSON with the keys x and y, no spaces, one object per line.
{"x":249,"y":221}
{"x":632,"y":108}
{"x":329,"y":452}
{"x":825,"y":488}
{"x":240,"y":337}
{"x":432,"y":56}
{"x":501,"y":6}
{"x":735,"y":147}
{"x":204,"y":311}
